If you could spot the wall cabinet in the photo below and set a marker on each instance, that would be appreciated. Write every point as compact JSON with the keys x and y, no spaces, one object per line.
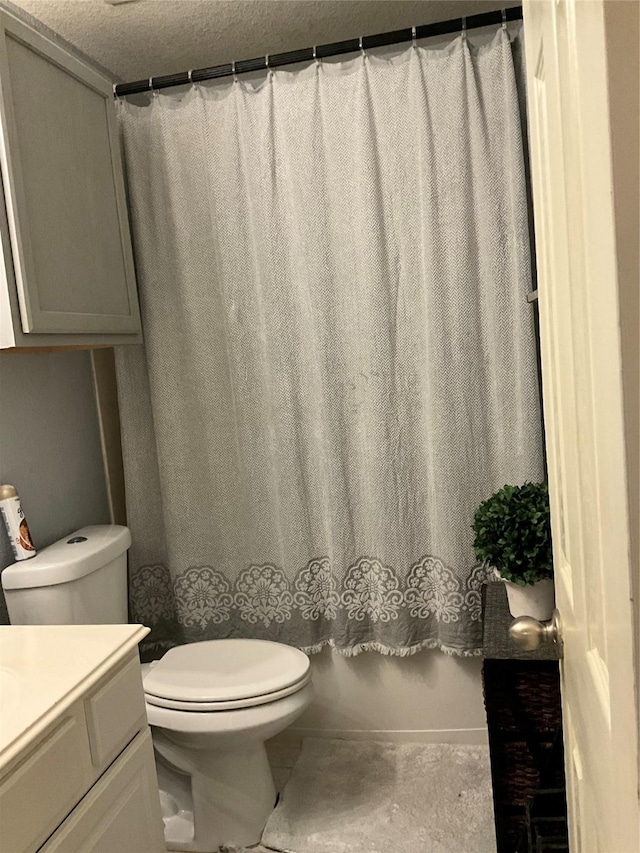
{"x":68,"y":274}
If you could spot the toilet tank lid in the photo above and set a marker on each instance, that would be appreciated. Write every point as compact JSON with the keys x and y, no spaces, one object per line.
{"x":68,"y":559}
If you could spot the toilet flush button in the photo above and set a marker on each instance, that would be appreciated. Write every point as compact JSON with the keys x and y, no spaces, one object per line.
{"x":76,"y":539}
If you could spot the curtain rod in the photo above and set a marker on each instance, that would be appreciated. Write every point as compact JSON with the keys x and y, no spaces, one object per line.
{"x":308,"y":54}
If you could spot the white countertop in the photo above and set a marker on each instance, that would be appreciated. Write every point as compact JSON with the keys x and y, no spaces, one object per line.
{"x":45,"y":668}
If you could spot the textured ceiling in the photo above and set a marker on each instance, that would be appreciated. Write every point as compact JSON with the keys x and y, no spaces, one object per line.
{"x":150,"y":37}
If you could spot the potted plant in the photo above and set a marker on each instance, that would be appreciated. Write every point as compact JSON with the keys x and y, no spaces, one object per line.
{"x":513,"y":535}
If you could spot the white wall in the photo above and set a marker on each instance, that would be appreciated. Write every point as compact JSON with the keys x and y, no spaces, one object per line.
{"x":50,"y":445}
{"x":428,"y":697}
{"x":623,"y":58}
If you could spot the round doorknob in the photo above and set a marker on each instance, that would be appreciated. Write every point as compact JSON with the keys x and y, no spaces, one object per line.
{"x":528,"y":634}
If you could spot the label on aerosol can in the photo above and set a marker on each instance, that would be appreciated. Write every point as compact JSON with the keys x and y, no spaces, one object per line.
{"x":16,"y":523}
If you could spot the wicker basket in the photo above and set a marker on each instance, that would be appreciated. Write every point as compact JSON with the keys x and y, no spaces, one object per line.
{"x":522,"y":699}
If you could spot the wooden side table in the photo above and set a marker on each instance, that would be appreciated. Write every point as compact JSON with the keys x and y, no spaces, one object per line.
{"x":524,"y":718}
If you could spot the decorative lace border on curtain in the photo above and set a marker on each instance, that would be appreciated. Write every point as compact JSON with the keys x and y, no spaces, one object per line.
{"x":203,"y":598}
{"x":391,"y":651}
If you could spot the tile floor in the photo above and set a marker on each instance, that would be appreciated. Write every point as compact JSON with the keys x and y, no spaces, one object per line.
{"x":283,"y":754}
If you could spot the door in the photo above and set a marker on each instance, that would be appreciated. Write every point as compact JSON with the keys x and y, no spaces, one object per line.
{"x":583,"y":280}
{"x":64,"y":189}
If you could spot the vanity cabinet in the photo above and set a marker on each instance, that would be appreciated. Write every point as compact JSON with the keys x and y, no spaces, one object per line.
{"x":119,"y":813}
{"x":68,"y":275}
{"x":82,"y":777}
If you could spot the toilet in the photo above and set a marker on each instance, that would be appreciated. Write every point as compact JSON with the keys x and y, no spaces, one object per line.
{"x":211,"y":705}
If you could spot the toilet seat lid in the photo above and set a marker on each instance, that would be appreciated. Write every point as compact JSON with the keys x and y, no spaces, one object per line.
{"x":225,"y":670}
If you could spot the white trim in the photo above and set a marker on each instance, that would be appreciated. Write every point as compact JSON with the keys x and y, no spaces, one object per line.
{"x":477,"y":737}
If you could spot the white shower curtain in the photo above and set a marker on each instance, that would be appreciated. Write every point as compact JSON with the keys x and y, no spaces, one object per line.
{"x":339,"y":356}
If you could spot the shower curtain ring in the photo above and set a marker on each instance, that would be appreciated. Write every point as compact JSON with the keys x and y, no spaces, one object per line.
{"x":504,"y":19}
{"x":464,"y":29}
{"x":189,"y":73}
{"x":362,"y":51}
{"x":233,"y":71}
{"x":414,"y":37}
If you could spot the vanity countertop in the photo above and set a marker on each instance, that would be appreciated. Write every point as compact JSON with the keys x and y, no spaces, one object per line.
{"x":45,"y":668}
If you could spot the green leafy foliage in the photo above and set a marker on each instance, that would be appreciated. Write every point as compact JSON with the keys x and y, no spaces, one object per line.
{"x":513,"y":533}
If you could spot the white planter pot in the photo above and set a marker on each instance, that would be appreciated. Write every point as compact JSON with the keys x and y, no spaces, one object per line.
{"x":537,"y":599}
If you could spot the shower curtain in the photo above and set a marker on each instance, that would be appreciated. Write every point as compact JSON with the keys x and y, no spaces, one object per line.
{"x":339,"y":358}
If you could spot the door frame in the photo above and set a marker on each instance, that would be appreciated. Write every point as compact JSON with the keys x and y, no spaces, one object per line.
{"x":616,"y":42}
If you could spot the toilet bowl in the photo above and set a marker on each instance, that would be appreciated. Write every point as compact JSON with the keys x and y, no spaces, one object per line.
{"x":211,"y":706}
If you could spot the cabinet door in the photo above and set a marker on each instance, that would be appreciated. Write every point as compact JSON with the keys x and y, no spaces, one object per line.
{"x":64,"y":189}
{"x":121,"y":813}
{"x":45,"y":782}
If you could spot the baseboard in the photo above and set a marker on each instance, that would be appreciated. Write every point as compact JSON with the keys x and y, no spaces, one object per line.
{"x":476,"y":737}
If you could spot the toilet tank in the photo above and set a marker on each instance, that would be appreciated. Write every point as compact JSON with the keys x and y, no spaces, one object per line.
{"x":79,"y":580}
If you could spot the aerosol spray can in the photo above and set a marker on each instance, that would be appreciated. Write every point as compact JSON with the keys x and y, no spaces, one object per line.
{"x":16,"y":523}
